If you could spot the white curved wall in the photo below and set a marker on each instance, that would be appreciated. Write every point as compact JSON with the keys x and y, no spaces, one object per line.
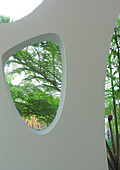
{"x":77,"y":141}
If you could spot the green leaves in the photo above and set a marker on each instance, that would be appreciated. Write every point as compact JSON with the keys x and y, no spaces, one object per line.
{"x":39,"y":70}
{"x":112,"y":96}
{"x":4,"y":19}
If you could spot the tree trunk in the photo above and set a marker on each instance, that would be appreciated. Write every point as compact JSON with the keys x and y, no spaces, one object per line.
{"x":115,"y":112}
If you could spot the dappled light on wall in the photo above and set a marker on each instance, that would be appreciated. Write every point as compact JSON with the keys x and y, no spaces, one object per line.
{"x":34,"y":78}
{"x":112,"y":101}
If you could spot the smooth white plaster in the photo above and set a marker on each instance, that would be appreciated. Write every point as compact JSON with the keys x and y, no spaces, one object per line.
{"x":77,"y":141}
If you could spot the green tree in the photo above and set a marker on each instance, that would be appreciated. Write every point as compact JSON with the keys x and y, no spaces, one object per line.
{"x":4,"y":19}
{"x":112,"y":99}
{"x":38,"y":93}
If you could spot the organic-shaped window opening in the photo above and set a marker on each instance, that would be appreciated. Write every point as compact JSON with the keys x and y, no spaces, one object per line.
{"x":112,"y":101}
{"x":34,"y":78}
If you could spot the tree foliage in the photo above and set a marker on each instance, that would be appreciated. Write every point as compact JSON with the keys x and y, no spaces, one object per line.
{"x":112,"y":99}
{"x":39,"y":67}
{"x":4,"y":19}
